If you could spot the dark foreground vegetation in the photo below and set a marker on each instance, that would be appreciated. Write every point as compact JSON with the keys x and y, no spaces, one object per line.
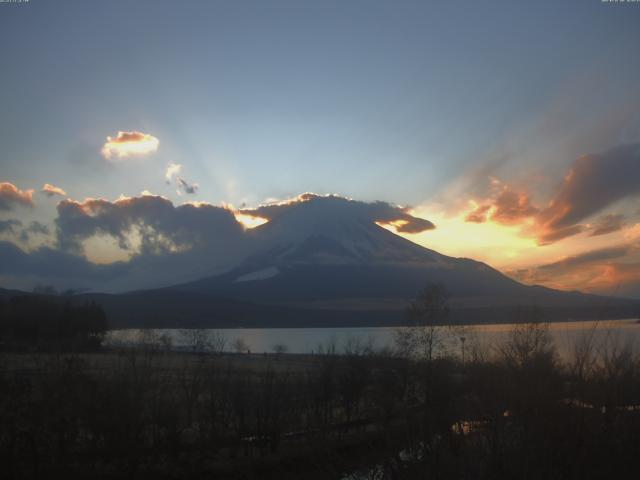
{"x":510,"y":412}
{"x":47,"y":322}
{"x":424,"y":410}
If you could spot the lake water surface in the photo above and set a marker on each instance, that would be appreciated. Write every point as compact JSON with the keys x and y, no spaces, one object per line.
{"x":565,"y":335}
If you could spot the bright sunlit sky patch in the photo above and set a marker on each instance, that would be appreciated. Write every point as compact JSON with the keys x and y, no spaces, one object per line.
{"x":411,"y":102}
{"x":501,"y":246}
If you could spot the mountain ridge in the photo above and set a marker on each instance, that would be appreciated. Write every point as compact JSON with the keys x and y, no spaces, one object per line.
{"x":323,"y":262}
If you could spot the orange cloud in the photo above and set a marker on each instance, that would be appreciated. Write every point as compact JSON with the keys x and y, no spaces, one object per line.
{"x":127,"y":144}
{"x":11,"y":196}
{"x":511,"y":208}
{"x":613,"y":270}
{"x":51,"y":190}
{"x":593,"y":183}
{"x":506,"y":208}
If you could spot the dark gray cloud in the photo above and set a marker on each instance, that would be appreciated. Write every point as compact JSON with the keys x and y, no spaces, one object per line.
{"x":167,"y":244}
{"x":48,"y":263}
{"x":11,"y":196}
{"x":186,"y":187}
{"x":159,"y":225}
{"x":333,"y":206}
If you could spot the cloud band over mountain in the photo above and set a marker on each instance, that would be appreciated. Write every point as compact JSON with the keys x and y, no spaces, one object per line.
{"x":165,"y":242}
{"x":375,"y":212}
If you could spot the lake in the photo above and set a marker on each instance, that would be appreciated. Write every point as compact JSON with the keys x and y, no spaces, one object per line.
{"x":310,"y":340}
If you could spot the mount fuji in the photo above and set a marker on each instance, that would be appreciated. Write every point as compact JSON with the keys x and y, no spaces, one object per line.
{"x":326,"y":262}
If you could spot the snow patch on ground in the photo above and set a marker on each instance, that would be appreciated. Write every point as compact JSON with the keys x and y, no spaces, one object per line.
{"x":258,"y":275}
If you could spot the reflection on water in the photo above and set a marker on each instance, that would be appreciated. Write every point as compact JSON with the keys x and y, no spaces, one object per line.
{"x":310,"y":340}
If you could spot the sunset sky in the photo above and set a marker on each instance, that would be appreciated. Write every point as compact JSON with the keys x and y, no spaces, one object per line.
{"x":514,"y":129}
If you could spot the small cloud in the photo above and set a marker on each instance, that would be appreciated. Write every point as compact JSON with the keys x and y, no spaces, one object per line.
{"x":51,"y":190}
{"x":186,"y":187}
{"x":183,"y":187}
{"x":608,"y":224}
{"x":172,"y":169}
{"x":551,"y":236}
{"x":11,"y":196}
{"x":479,"y":215}
{"x":512,"y":208}
{"x":410,"y":224}
{"x":506,"y":207}
{"x":127,"y":144}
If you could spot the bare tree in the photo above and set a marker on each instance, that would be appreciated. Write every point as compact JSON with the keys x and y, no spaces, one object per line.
{"x":329,"y":347}
{"x":239,"y":345}
{"x":583,"y":360}
{"x":166,"y":342}
{"x":429,"y":312}
{"x":359,"y":346}
{"x":526,"y":343}
{"x":217,"y":342}
{"x":196,"y":339}
{"x":280,"y":348}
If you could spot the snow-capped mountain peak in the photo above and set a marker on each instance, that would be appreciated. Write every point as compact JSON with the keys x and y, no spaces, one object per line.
{"x":325,"y":233}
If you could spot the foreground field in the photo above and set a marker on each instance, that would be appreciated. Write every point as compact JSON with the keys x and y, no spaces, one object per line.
{"x":513,"y":411}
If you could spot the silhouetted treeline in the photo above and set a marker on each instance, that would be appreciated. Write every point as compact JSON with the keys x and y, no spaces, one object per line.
{"x":512,"y":410}
{"x":38,"y":322}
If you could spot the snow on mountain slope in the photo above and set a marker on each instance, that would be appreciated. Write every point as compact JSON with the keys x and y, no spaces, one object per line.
{"x":323,"y":231}
{"x":258,"y":275}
